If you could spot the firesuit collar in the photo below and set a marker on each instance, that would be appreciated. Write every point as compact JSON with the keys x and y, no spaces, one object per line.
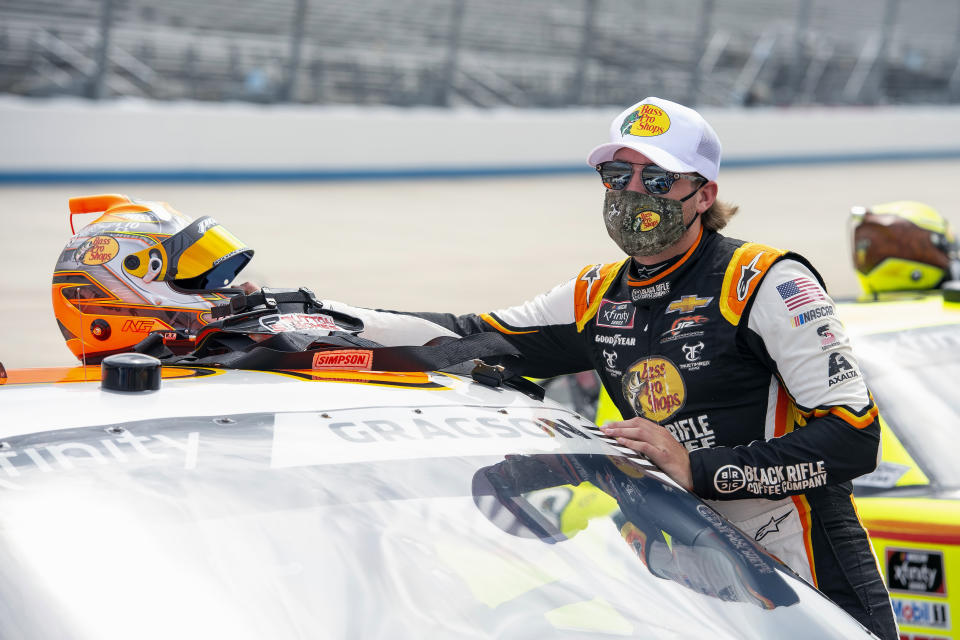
{"x":642,"y":224}
{"x":647,"y":271}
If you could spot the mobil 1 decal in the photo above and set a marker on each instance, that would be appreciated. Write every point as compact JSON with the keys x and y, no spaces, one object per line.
{"x":916,"y":571}
{"x":654,"y":388}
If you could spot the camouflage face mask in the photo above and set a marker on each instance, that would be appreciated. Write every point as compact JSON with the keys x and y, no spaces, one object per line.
{"x":642,"y":224}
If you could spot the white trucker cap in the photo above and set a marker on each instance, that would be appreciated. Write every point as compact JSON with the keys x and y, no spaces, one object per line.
{"x":674,"y":136}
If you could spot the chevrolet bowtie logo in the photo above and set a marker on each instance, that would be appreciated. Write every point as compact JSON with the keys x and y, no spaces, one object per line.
{"x":688,"y":304}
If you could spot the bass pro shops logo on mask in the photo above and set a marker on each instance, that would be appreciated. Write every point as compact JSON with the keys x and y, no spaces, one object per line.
{"x":642,"y":224}
{"x":654,"y":388}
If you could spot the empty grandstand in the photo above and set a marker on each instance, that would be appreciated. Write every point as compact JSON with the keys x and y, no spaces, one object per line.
{"x":485,"y":53}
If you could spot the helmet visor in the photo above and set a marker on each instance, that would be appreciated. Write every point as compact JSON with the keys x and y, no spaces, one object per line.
{"x":200,"y":248}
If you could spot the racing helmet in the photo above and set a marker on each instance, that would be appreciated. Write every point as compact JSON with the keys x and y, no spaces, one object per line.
{"x":899,"y":246}
{"x":139,"y":267}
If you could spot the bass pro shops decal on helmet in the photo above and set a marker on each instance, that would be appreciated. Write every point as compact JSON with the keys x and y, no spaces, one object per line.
{"x":139,"y":267}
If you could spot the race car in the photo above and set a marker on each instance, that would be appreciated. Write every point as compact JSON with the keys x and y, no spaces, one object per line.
{"x":908,"y":347}
{"x":148,"y":501}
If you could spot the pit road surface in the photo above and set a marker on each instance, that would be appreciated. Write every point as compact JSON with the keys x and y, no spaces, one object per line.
{"x":440,"y":245}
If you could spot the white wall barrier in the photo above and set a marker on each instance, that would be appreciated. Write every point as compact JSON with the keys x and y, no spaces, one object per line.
{"x":68,"y":139}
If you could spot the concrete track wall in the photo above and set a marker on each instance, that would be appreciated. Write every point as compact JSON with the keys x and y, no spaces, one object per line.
{"x":76,"y":139}
{"x":468,"y":244}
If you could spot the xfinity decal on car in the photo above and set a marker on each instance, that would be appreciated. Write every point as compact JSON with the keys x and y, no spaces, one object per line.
{"x":123,"y":448}
{"x":916,"y":571}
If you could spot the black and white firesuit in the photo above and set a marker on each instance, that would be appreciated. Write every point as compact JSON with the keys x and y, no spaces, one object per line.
{"x":736,"y":349}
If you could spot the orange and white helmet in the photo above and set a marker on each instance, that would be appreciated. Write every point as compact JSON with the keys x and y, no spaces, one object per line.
{"x":139,"y":267}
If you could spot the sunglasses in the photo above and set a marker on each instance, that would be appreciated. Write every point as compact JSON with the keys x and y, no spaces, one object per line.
{"x":617,"y":174}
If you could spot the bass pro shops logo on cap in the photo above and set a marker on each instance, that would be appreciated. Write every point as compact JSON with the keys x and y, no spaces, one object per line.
{"x":648,"y":120}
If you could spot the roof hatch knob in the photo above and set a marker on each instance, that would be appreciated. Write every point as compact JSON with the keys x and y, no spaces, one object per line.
{"x":130,"y":372}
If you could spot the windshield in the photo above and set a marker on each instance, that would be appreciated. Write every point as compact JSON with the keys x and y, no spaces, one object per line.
{"x":913,"y":377}
{"x":259,"y":525}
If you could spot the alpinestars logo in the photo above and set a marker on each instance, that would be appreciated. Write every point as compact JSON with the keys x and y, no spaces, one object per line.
{"x":645,"y":272}
{"x":840,"y":369}
{"x":771,"y":527}
{"x":747,"y":274}
{"x":590,"y":277}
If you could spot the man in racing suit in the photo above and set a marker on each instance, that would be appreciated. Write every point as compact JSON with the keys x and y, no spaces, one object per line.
{"x":728,"y":353}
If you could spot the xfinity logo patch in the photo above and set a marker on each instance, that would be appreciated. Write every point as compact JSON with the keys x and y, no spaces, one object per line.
{"x":616,"y":314}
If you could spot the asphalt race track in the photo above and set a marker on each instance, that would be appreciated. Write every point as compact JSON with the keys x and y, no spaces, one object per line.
{"x":442,"y":245}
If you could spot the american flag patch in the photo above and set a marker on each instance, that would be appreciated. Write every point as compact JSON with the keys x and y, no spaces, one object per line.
{"x":800,"y":291}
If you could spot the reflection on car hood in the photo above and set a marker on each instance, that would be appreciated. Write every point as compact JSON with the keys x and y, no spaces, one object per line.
{"x":259,"y":504}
